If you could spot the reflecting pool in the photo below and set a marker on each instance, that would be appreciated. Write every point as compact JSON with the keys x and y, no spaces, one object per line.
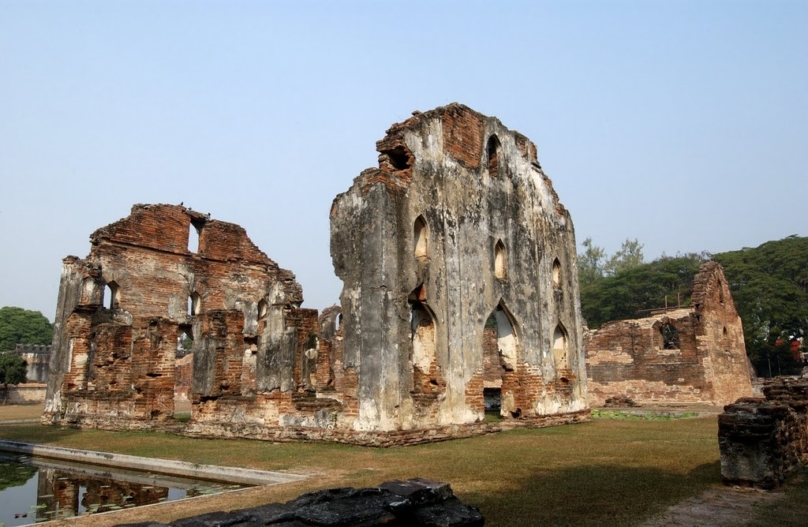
{"x":35,"y":489}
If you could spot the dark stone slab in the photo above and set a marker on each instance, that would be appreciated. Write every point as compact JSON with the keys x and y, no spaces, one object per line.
{"x":412,"y":503}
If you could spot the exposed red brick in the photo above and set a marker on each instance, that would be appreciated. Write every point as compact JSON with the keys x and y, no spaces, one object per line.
{"x":628,"y":358}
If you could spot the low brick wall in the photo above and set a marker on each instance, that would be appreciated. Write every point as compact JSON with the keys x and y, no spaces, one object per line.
{"x":763,"y":440}
{"x":373,"y":438}
{"x":28,"y":393}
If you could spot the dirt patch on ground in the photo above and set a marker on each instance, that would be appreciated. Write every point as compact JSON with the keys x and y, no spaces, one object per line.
{"x":717,"y":507}
{"x":13,"y":412}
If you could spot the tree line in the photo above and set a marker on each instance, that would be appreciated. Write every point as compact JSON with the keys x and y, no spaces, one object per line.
{"x":19,"y":326}
{"x":769,"y":285}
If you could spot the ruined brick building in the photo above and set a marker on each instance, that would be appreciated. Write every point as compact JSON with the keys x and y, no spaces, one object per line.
{"x":458,"y":264}
{"x":686,"y":355}
{"x":458,"y":229}
{"x":122,"y":311}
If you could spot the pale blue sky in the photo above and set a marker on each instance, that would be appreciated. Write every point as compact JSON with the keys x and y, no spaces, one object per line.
{"x":683,"y":124}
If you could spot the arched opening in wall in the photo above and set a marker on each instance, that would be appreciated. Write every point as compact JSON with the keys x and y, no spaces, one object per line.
{"x":721,"y":292}
{"x":338,"y":322}
{"x":194,"y":304}
{"x":111,"y":298}
{"x":194,"y":229}
{"x":308,"y":365}
{"x":669,"y":336}
{"x":263,"y":309}
{"x":499,"y":363}
{"x":500,"y":261}
{"x":556,"y":274}
{"x":492,"y":151}
{"x":420,"y":237}
{"x":560,"y":350}
{"x":185,"y":340}
{"x":183,"y":371}
{"x":423,"y":357}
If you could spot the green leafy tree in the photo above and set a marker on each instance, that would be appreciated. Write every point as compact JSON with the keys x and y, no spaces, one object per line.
{"x":590,"y":263}
{"x":21,"y":326}
{"x":769,"y":286}
{"x":633,"y":292}
{"x":12,"y":370}
{"x":14,"y":474}
{"x":628,"y":257}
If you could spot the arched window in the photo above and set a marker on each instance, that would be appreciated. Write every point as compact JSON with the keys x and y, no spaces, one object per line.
{"x":556,"y":274}
{"x":262,"y":308}
{"x":420,"y":237}
{"x":194,"y":304}
{"x":185,"y":340}
{"x":669,"y":336}
{"x":500,"y":262}
{"x":423,"y":357}
{"x":193,"y":236}
{"x":499,"y":347}
{"x":560,"y":348}
{"x":111,"y":300}
{"x":506,"y":338}
{"x":492,"y":150}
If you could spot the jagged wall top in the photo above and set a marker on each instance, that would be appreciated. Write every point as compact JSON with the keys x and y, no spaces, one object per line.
{"x":166,"y":227}
{"x":464,"y":136}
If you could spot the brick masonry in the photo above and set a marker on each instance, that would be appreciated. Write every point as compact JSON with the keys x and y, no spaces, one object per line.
{"x":687,"y":355}
{"x":763,"y":440}
{"x":457,"y":226}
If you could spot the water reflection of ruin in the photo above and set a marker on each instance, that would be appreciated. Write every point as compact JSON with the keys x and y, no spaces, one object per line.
{"x":72,"y":494}
{"x":65,"y":489}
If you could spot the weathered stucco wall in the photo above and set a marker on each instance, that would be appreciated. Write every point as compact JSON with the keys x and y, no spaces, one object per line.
{"x":37,"y":359}
{"x":689,"y":355}
{"x":458,"y":263}
{"x":457,"y":226}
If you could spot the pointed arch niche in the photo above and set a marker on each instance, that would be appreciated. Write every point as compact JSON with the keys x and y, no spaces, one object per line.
{"x":194,"y":232}
{"x":420,"y":237}
{"x":422,"y":354}
{"x":556,"y":274}
{"x":111,"y":296}
{"x":194,"y":304}
{"x":492,"y":151}
{"x":560,"y":348}
{"x":500,"y":261}
{"x":500,"y":344}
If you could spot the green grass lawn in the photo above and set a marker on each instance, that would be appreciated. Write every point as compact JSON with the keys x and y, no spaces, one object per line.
{"x":606,"y":472}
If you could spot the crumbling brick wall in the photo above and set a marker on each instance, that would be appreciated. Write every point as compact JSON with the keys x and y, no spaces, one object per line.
{"x":457,"y":224}
{"x":71,"y":493}
{"x":456,"y":229}
{"x":123,"y":310}
{"x":763,"y":440}
{"x":685,"y":355}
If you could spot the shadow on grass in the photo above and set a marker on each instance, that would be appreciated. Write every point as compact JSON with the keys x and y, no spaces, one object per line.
{"x":601,"y":495}
{"x":792,"y":511}
{"x":36,"y":433}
